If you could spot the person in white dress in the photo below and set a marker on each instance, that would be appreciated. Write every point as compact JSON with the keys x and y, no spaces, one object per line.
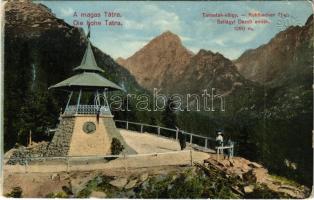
{"x":219,"y":140}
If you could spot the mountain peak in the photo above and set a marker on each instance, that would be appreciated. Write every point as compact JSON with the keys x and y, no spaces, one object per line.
{"x":20,"y":14}
{"x":168,"y":37}
{"x":203,"y":52}
{"x":169,"y":33}
{"x":164,"y":56}
{"x":26,"y":7}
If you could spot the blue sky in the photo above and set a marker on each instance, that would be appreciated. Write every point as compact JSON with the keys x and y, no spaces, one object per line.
{"x":144,"y":20}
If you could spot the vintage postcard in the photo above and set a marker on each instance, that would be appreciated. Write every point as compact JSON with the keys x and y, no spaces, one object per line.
{"x":157,"y":99}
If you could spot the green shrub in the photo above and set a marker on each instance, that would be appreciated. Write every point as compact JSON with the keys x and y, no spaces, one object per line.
{"x":15,"y":193}
{"x":99,"y":183}
{"x":61,"y":194}
{"x":84,"y":193}
{"x":116,"y":146}
{"x":187,"y":186}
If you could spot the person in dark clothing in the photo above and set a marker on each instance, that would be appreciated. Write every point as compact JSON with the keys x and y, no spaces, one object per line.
{"x":182,"y":138}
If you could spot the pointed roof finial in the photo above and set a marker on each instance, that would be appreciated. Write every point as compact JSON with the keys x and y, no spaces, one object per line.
{"x":88,"y":33}
{"x":88,"y":62}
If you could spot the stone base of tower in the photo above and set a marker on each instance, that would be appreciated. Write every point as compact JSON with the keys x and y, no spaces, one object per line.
{"x":70,"y":139}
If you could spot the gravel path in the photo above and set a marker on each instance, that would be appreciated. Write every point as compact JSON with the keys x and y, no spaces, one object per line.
{"x":149,"y":143}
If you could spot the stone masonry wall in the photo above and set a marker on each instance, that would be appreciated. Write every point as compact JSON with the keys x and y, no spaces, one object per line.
{"x":60,"y":144}
{"x":114,"y":132}
{"x":97,"y":142}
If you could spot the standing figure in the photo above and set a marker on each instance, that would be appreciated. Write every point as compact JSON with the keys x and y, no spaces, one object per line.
{"x":182,"y":138}
{"x":219,"y":141}
{"x":230,"y":143}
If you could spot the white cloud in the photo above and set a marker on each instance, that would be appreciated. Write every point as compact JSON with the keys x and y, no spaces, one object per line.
{"x":231,"y":54}
{"x":242,"y":37}
{"x":143,"y":21}
{"x":120,"y":47}
{"x":66,"y":12}
{"x":154,"y":18}
{"x":131,"y":24}
{"x":127,"y":49}
{"x":220,"y":42}
{"x":195,"y":50}
{"x":185,"y":38}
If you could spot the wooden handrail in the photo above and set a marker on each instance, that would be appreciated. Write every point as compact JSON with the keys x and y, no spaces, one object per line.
{"x":169,"y":129}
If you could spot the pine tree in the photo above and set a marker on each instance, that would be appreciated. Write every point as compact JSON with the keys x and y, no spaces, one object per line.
{"x":168,"y":116}
{"x":17,"y":98}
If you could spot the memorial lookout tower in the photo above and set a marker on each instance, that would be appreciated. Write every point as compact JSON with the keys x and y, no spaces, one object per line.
{"x":86,"y":128}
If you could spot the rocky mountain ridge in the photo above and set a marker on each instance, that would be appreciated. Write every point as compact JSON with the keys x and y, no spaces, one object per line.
{"x":208,"y":70}
{"x":269,"y":61}
{"x":31,"y":19}
{"x":164,"y":63}
{"x":164,"y":57}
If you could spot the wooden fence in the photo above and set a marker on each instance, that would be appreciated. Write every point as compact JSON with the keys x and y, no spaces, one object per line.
{"x":100,"y":162}
{"x":199,"y":142}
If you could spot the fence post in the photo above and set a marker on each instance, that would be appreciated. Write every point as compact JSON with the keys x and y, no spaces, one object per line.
{"x":205,"y":143}
{"x":218,"y":151}
{"x":191,"y":138}
{"x":127,"y":125}
{"x":125,"y":163}
{"x":26,"y":165}
{"x":68,"y":165}
{"x":141,"y":128}
{"x":191,"y":158}
{"x":30,"y":137}
{"x":158,"y":130}
{"x":177,"y":134}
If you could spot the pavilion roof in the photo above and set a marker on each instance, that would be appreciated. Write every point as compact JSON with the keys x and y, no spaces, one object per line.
{"x":89,"y":76}
{"x":87,"y":80}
